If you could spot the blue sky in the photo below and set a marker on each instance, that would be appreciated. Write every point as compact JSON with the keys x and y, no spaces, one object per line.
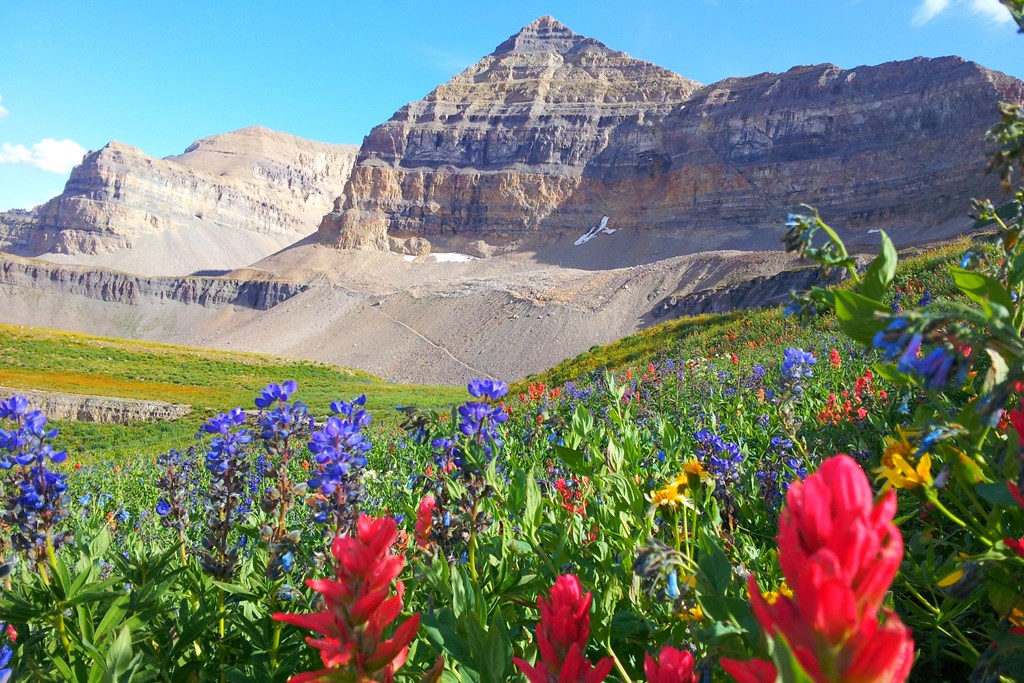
{"x":159,"y":75}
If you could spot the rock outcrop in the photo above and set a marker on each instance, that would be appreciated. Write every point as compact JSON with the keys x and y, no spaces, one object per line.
{"x":553,"y":132}
{"x":124,"y":288}
{"x":226,"y":202}
{"x":496,"y":149}
{"x":58,"y":405}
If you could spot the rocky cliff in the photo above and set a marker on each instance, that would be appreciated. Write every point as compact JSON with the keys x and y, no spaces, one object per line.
{"x":227,"y":201}
{"x":87,"y":408}
{"x":496,"y":149}
{"x":553,"y":132}
{"x":124,"y":288}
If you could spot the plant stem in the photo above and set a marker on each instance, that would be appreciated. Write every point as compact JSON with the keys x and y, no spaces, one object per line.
{"x":618,"y":664}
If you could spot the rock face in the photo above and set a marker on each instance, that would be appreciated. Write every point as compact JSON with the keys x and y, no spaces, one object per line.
{"x":85,"y":408}
{"x":554,"y":131}
{"x":494,"y":150}
{"x":123,"y":288}
{"x":228,"y":201}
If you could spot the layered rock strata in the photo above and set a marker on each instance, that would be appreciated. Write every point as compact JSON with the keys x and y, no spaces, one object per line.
{"x":58,"y":405}
{"x":554,"y":132}
{"x":496,"y":149}
{"x":226,"y":202}
{"x":125,"y":288}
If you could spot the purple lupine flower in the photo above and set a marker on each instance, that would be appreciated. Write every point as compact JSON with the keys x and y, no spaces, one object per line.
{"x":276,"y":393}
{"x":797,"y":364}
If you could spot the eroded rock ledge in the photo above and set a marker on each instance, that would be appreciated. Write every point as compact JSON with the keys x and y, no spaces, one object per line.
{"x":113,"y":286}
{"x":85,"y":408}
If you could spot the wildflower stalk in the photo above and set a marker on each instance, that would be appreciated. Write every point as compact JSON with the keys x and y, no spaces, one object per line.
{"x":472,"y":540}
{"x":618,"y":665}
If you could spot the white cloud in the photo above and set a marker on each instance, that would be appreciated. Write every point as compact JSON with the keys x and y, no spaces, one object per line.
{"x":55,"y":156}
{"x":993,"y":10}
{"x":3,"y":110}
{"x":928,"y":10}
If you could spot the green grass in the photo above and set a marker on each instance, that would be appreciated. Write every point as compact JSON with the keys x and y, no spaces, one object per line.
{"x":209,"y":381}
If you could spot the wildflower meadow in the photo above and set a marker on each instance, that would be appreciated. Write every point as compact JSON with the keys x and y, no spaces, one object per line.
{"x":833,"y":496}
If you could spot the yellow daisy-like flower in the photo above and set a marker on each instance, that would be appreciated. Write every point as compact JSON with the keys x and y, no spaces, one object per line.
{"x":694,"y":467}
{"x":671,"y":495}
{"x":896,"y":467}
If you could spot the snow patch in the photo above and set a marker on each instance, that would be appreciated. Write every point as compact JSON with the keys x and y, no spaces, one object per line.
{"x":601,"y":227}
{"x":453,"y":257}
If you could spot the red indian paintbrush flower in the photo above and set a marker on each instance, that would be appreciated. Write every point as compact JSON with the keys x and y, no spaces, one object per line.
{"x":424,"y":520}
{"x":562,"y":638}
{"x":839,"y":553}
{"x":671,"y":666}
{"x":359,"y":606}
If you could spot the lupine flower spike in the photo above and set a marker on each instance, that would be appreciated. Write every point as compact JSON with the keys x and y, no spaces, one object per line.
{"x":359,"y":607}
{"x":562,"y":638}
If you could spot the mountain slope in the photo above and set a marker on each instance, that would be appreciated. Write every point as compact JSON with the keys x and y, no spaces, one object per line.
{"x":227,"y":201}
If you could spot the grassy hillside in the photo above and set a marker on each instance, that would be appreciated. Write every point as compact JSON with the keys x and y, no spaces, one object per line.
{"x":210,"y":381}
{"x":753,"y":332}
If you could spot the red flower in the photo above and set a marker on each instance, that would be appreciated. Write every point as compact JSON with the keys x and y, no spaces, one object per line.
{"x":835,"y":359}
{"x":753,"y":671}
{"x":359,"y":606}
{"x":839,"y":553}
{"x":672,"y":666}
{"x":562,"y":638}
{"x":1016,"y":546}
{"x":424,"y":520}
{"x":1015,"y":492}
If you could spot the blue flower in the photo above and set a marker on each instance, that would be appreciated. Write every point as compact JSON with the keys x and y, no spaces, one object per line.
{"x":797,"y":364}
{"x":487,"y":389}
{"x":276,"y":392}
{"x":163,"y":508}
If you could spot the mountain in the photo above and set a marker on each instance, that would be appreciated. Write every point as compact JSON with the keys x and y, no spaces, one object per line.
{"x":554,"y":132}
{"x":227,"y":201}
{"x":556,"y":195}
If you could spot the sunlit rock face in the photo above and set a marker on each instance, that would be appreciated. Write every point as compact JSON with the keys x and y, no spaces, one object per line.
{"x":227,"y":201}
{"x":554,"y":131}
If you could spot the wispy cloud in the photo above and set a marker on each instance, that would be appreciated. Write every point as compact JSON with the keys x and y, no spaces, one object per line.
{"x":928,"y":10}
{"x":55,"y":156}
{"x":3,"y":110}
{"x":991,"y":10}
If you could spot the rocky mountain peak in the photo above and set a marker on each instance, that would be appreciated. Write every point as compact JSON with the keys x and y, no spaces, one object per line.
{"x":545,"y":34}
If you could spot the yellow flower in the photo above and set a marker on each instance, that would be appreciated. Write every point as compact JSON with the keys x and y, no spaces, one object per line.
{"x":950,"y":579}
{"x":694,"y":467}
{"x":771,"y":597}
{"x":1016,"y":617}
{"x":896,"y":467}
{"x":692,"y":614}
{"x":673,"y":494}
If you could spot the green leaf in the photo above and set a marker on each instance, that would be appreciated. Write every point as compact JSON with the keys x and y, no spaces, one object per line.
{"x":119,"y":658}
{"x":235,"y":589}
{"x":997,"y":373}
{"x":497,"y":654}
{"x":881,"y":271}
{"x":998,"y":493}
{"x":983,"y":290}
{"x":534,"y":500}
{"x":574,"y":459}
{"x":890,"y":373}
{"x":859,"y":317}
